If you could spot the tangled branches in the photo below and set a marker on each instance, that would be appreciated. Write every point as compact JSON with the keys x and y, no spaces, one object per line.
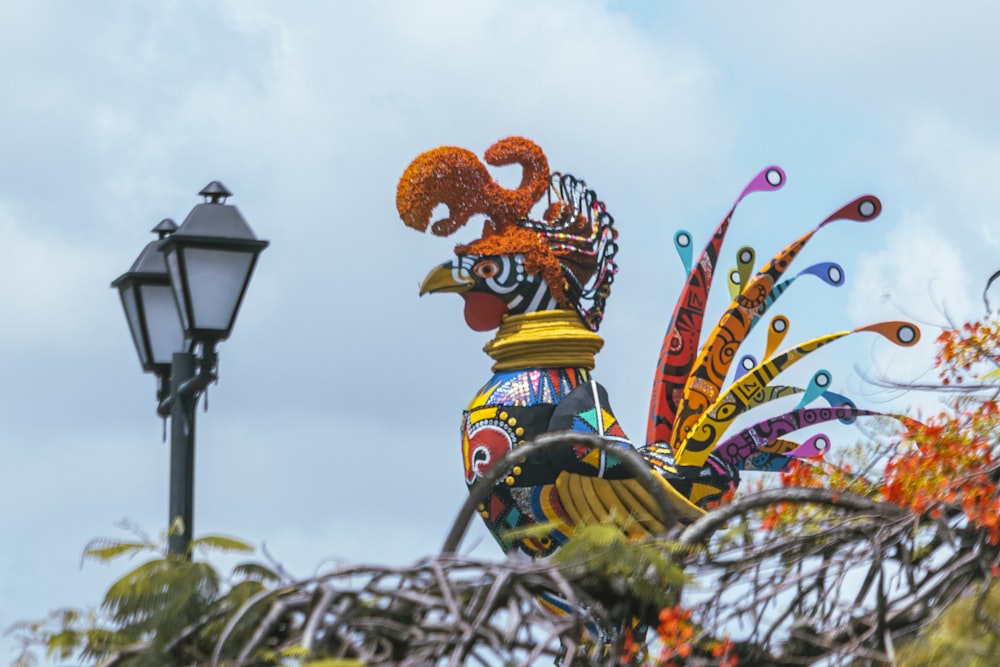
{"x":853,"y":579}
{"x":848,"y":581}
{"x":444,"y":610}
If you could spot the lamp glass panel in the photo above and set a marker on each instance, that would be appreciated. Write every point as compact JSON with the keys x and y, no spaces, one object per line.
{"x":176,"y":281}
{"x":166,"y":335}
{"x":216,"y":279}
{"x":129,"y":301}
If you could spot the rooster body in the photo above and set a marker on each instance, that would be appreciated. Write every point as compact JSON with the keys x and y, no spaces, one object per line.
{"x":543,"y":284}
{"x":535,"y":389}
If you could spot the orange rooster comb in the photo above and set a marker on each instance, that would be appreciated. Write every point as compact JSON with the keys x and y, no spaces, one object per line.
{"x":572,"y":246}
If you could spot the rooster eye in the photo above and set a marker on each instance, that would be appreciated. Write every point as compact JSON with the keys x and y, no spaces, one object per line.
{"x":487,"y":268}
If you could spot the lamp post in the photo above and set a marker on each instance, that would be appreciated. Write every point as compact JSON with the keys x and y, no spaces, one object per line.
{"x":181,"y":297}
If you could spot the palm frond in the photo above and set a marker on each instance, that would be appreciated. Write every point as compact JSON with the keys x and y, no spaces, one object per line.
{"x":221,"y":544}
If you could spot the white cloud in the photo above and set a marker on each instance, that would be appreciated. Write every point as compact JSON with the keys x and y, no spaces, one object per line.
{"x":918,"y":276}
{"x":920,"y":271}
{"x":955,"y":170}
{"x":52,"y":309}
{"x":935,"y":259}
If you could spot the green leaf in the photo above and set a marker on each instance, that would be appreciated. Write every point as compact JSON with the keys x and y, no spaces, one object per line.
{"x":241,"y":592}
{"x":105,"y":550}
{"x":991,"y":375}
{"x":221,"y":543}
{"x":137,"y":584}
{"x":534,"y":531}
{"x":956,"y":637}
{"x":176,"y":527}
{"x":25,"y":659}
{"x":251,"y":571}
{"x":62,"y":644}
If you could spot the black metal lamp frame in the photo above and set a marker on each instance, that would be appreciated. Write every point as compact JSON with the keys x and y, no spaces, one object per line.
{"x":184,"y":380}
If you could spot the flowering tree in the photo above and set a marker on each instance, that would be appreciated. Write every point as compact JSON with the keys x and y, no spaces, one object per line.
{"x":855,"y":557}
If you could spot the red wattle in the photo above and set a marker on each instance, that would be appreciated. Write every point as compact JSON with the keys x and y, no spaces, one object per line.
{"x":483,"y":312}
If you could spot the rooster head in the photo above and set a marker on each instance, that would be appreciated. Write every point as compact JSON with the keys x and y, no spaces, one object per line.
{"x":492,"y":286}
{"x":564,"y":261}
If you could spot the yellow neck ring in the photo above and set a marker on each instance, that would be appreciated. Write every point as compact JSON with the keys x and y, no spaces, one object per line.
{"x":543,"y":339}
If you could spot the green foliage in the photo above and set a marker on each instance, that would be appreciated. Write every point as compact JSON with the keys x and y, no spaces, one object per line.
{"x":167,"y":610}
{"x":106,"y":551}
{"x":966,"y":634}
{"x":256,"y":572}
{"x":300,"y":656}
{"x":221,"y":544}
{"x":635,"y":578}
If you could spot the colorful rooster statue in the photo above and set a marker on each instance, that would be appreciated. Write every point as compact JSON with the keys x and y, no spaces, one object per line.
{"x":543,"y":284}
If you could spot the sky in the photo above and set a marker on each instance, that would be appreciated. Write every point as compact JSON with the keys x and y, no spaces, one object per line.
{"x":332,"y":435}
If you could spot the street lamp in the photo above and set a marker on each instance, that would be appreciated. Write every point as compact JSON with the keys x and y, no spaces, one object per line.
{"x":150,"y":308}
{"x":180,"y":295}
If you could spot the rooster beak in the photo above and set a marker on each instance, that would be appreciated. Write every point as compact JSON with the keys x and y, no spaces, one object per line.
{"x":446,"y":278}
